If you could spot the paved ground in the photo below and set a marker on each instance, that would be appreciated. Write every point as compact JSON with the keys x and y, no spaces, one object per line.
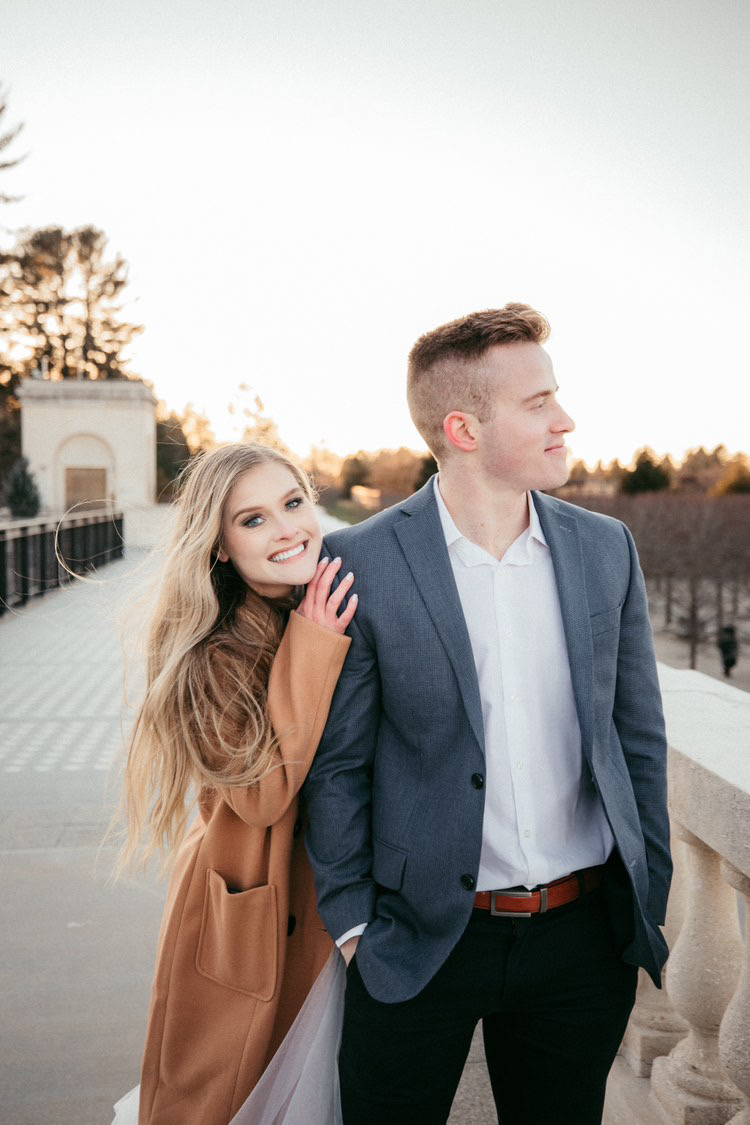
{"x":78,"y":953}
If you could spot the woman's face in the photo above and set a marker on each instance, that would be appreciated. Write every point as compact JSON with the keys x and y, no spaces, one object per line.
{"x":270,"y":530}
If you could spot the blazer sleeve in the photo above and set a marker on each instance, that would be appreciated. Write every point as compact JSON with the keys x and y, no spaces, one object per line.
{"x":303,"y":679}
{"x":338,"y":792}
{"x":639,"y":720}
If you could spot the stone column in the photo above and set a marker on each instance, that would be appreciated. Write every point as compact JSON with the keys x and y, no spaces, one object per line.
{"x":734,"y":1037}
{"x":690,"y":1083}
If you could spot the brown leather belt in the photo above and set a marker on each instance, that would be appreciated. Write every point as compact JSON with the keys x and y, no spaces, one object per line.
{"x":522,"y":904}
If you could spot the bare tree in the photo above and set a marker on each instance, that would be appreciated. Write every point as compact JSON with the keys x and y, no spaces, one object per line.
{"x":694,"y":550}
{"x":7,"y":139}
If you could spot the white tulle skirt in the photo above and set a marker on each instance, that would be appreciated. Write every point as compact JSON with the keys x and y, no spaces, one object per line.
{"x":126,"y":1110}
{"x":300,"y":1085}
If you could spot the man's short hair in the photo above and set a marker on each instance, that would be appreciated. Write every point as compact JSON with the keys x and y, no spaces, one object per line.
{"x":445,"y":369}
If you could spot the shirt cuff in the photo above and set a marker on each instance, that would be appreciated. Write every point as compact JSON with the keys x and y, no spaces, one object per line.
{"x":356,"y":931}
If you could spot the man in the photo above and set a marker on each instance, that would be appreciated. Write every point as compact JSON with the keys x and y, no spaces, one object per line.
{"x":488,"y":822}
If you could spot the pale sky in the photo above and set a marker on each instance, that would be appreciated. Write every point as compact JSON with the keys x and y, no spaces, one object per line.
{"x":303,"y":188}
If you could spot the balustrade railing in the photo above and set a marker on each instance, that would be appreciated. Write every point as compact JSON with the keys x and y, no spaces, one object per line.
{"x":687,"y":1048}
{"x":29,"y":562}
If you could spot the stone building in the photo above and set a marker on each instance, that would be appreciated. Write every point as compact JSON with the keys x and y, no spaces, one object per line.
{"x":90,"y":442}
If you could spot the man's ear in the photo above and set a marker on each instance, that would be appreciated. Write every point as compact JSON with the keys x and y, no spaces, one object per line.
{"x":461,"y":430}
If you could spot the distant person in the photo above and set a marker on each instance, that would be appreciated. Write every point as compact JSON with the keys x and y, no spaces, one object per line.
{"x":726,"y":642}
{"x":240,"y":677}
{"x":488,"y":813}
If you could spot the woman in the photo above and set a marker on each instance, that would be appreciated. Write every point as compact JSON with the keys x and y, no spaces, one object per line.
{"x":241,"y":941}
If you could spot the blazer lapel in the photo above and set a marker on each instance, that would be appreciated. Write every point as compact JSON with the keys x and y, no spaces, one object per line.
{"x":421,"y":537}
{"x":564,"y":540}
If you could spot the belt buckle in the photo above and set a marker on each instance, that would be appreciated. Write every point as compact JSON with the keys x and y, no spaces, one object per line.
{"x":542,"y":892}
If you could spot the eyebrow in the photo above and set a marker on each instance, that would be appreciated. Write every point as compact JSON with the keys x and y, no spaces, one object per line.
{"x":260,"y":507}
{"x":541,"y":394}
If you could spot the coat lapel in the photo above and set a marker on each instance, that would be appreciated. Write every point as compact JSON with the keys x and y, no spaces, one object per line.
{"x":421,"y":537}
{"x":564,"y":541}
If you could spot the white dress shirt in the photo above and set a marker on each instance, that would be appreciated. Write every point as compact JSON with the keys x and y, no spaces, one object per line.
{"x":542,"y":815}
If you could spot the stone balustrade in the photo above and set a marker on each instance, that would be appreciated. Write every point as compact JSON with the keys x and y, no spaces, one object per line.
{"x":685,"y":1058}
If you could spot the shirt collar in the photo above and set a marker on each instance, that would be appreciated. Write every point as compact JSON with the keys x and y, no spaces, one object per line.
{"x":519,"y":551}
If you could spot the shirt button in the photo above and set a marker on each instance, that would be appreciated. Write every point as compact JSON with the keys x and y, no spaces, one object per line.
{"x":514,"y":697}
{"x":477,"y":781}
{"x":519,"y":765}
{"x":468,"y":882}
{"x":527,"y":832}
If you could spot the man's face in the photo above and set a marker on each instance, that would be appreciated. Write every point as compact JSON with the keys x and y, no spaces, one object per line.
{"x":523,"y":444}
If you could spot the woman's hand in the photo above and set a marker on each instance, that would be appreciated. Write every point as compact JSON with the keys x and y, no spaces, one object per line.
{"x":322,"y":606}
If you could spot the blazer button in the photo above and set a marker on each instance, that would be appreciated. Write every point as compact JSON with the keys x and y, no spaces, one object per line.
{"x":477,"y":781}
{"x":297,"y":828}
{"x":468,"y":882}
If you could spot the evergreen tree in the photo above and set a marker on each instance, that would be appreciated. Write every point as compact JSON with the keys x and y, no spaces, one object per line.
{"x":354,"y":470}
{"x":60,"y":317}
{"x":427,"y":466}
{"x":21,"y":493}
{"x":61,"y":304}
{"x":172,"y":452}
{"x":647,"y":476}
{"x":736,"y":477}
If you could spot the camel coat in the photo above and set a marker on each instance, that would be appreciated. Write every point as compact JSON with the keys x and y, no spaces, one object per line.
{"x":241,"y":941}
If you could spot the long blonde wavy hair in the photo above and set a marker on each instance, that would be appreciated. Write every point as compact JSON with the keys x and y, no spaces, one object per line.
{"x":203,"y":720}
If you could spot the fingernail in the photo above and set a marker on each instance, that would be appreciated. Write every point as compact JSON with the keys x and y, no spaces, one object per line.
{"x":354,"y":598}
{"x":347,"y":576}
{"x":324,"y":562}
{"x":337,"y":559}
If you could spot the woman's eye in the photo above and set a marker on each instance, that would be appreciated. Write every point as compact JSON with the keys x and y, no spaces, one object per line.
{"x":253,"y":521}
{"x":295,"y":502}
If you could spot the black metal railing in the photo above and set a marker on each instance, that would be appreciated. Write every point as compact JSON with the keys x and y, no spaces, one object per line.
{"x":29,"y":563}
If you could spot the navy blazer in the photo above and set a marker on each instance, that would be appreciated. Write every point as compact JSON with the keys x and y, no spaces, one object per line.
{"x":395,"y":824}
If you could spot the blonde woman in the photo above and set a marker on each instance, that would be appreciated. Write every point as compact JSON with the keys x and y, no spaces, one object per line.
{"x":240,"y":678}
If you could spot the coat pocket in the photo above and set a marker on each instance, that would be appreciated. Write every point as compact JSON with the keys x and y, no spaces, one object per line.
{"x":603,"y":622}
{"x":388,"y":865}
{"x":238,"y":943}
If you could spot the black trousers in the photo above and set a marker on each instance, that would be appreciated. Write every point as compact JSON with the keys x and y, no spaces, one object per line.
{"x":554,"y":997}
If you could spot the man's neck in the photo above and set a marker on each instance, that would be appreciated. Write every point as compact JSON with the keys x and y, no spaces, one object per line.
{"x":488,"y":514}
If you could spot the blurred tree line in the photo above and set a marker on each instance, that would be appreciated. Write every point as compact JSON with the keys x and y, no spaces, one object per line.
{"x":353,"y":487}
{"x":715,"y":472}
{"x":691,"y":522}
{"x":690,"y":519}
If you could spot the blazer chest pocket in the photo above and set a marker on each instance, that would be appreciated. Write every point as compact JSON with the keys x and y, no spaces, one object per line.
{"x":388,"y":865}
{"x":238,"y":944}
{"x":603,"y":622}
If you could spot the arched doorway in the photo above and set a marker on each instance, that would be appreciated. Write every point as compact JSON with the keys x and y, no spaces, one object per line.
{"x":84,"y":472}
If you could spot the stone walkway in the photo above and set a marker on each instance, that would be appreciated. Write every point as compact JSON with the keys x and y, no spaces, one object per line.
{"x":78,"y":952}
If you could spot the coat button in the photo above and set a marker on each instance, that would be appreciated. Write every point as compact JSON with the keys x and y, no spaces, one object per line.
{"x":297,"y":828}
{"x":468,"y":882}
{"x":477,"y":781}
{"x":291,"y":926}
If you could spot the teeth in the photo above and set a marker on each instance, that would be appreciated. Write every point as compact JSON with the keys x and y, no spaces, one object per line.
{"x":284,"y":555}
